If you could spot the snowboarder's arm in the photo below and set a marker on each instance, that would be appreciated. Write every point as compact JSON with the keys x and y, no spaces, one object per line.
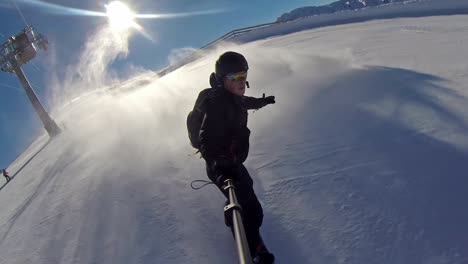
{"x":257,"y":103}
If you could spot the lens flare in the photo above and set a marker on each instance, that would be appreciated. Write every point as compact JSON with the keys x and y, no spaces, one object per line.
{"x":120,"y":16}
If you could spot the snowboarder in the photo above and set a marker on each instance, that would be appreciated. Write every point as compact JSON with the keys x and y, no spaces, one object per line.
{"x":224,"y":141}
{"x":5,"y":174}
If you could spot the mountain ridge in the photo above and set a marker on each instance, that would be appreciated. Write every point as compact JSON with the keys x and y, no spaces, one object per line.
{"x":341,"y":5}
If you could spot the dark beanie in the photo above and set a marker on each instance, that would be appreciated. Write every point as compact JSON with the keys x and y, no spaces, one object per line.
{"x":230,"y":62}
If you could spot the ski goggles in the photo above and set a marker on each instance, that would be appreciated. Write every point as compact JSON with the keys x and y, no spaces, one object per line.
{"x":240,"y":76}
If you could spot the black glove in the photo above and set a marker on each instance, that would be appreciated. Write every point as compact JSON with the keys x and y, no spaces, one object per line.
{"x":224,"y":169}
{"x":269,"y":99}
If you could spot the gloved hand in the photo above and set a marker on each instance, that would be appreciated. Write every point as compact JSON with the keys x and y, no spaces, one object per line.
{"x":221,"y":180}
{"x":224,"y":169}
{"x":269,"y":99}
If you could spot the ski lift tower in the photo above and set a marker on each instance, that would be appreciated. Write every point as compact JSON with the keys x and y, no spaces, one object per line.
{"x":17,"y":51}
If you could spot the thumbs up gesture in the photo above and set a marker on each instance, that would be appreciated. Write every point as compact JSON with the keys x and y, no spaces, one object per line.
{"x":269,"y":99}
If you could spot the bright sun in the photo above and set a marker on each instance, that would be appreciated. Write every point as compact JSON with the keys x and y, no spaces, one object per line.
{"x":120,"y":16}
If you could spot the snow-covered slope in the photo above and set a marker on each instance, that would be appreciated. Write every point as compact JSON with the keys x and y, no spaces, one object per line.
{"x":361,"y":160}
{"x":418,"y":8}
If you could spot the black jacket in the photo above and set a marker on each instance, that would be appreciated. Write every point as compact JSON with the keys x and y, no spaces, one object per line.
{"x":224,"y":132}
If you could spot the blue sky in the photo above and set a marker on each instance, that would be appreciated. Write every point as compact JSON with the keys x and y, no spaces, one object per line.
{"x":67,"y":35}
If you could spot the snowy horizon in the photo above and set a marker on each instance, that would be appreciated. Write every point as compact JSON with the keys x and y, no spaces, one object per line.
{"x":361,"y":160}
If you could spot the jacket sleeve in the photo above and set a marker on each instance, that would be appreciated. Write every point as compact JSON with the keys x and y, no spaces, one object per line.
{"x":253,"y":103}
{"x":212,"y":131}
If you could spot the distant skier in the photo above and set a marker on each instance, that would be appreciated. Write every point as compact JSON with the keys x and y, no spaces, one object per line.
{"x":218,"y":128}
{"x":5,"y":174}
